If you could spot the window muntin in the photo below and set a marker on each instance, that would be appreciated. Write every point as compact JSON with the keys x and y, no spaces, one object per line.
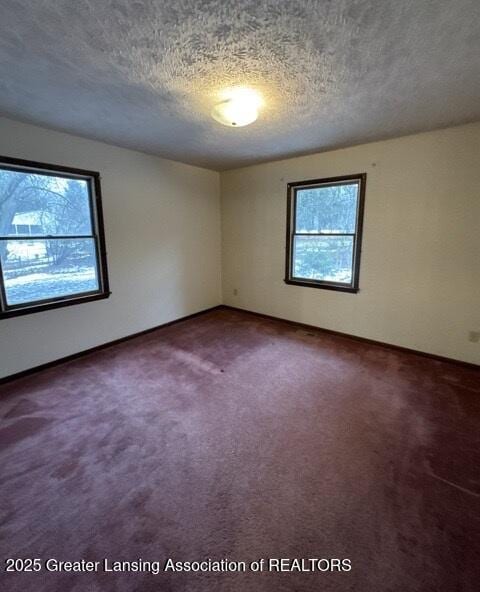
{"x":324,"y":227}
{"x":52,"y":248}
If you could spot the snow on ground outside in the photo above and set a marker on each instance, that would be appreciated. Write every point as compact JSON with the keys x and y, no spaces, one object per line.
{"x":41,"y":286}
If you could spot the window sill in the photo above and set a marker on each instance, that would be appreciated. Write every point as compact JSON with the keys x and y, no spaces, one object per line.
{"x":322,"y":285}
{"x":23,"y":310}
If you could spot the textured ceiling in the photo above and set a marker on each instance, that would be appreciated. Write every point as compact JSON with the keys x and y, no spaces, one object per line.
{"x":145,"y":74}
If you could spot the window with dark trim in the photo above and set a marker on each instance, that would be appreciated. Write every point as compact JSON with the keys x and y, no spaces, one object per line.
{"x":324,"y":232}
{"x":52,"y":244}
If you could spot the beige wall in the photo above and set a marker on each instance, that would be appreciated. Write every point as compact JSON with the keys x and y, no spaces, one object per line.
{"x":420,"y":271}
{"x":162,"y":226}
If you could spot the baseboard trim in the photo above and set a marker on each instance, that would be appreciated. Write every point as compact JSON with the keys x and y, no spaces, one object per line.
{"x":408,"y":350}
{"x":96,"y":348}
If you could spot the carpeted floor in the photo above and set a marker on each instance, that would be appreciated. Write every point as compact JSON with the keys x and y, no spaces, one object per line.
{"x":231,"y":436}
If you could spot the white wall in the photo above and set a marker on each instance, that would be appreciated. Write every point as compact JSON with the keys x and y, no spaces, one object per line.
{"x":420,"y":271}
{"x":162,"y":228}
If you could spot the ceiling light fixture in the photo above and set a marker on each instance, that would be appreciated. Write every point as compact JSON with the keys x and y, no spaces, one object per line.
{"x":239,"y":108}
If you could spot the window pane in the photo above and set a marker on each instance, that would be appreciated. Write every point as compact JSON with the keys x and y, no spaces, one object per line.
{"x":327,"y":209}
{"x":327,"y":258}
{"x":40,"y":269}
{"x":32,"y":204}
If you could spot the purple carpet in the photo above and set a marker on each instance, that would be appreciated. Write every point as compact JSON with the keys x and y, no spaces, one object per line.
{"x":229,"y":436}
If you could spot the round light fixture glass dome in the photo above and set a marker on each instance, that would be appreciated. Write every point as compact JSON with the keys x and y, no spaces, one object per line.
{"x":240,"y":108}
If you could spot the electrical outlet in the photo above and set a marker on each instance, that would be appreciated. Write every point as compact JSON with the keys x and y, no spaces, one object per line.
{"x":235,"y":292}
{"x":474,"y":336}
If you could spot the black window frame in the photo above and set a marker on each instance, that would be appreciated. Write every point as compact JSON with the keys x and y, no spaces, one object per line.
{"x":292,"y":189}
{"x":98,"y":234}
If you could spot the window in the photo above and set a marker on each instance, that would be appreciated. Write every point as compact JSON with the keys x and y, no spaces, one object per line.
{"x":52,"y":246}
{"x":324,"y":232}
